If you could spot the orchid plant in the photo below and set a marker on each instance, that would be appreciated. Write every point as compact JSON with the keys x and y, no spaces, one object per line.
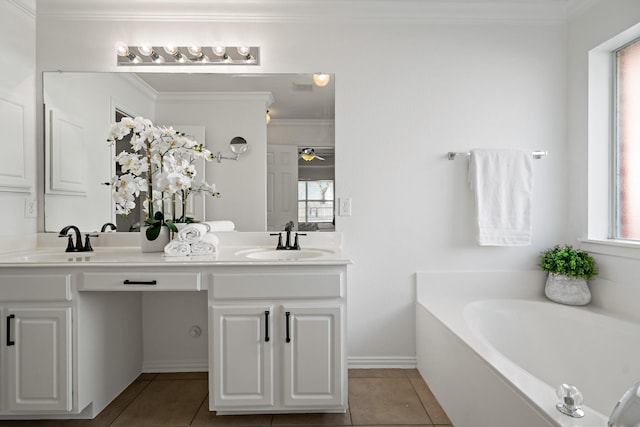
{"x":160,"y":164}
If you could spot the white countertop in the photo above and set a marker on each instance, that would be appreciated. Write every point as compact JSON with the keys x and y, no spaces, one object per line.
{"x":234,"y":249}
{"x":132,"y":256}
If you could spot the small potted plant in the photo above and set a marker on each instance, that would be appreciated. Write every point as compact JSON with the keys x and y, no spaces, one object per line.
{"x":569,"y":269}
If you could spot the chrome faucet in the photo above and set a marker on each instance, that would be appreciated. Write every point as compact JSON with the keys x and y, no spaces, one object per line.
{"x":626,"y":413}
{"x":78,"y":246}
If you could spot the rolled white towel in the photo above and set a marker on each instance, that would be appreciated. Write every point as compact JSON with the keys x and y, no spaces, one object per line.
{"x":192,"y":232}
{"x":221,"y":225}
{"x":177,"y":248}
{"x":208,"y":245}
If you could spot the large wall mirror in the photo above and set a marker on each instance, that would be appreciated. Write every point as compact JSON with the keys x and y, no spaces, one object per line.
{"x":287,"y":172}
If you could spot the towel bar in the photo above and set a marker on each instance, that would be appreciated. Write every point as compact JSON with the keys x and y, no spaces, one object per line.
{"x":536,"y":154}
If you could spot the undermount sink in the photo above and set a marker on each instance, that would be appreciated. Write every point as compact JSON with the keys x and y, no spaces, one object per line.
{"x":283,"y":255}
{"x":49,"y":256}
{"x":57,"y":256}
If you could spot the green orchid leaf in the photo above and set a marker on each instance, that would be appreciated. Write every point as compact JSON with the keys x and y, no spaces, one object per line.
{"x":171,"y":225}
{"x":153,"y":231}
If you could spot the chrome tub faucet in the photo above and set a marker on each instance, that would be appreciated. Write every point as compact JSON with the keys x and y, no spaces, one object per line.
{"x":626,"y":413}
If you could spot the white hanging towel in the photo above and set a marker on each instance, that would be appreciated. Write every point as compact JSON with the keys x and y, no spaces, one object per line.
{"x":502,"y":181}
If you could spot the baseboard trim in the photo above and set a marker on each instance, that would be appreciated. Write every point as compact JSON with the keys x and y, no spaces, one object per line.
{"x":157,"y":366}
{"x":382,"y":362}
{"x":353,"y":362}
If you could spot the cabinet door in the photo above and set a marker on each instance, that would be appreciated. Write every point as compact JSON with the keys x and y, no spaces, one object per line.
{"x":313,"y":366}
{"x":38,"y":359}
{"x":241,"y":356}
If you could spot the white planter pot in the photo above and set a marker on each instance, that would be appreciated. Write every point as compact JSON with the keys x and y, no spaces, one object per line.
{"x":567,"y":290}
{"x":156,"y":245}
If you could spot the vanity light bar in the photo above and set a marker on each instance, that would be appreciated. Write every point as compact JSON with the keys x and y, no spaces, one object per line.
{"x":191,"y":55}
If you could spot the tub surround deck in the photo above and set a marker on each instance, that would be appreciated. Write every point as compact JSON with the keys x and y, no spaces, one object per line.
{"x":472,"y":371}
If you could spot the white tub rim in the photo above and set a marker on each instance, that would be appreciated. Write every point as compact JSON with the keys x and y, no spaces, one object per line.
{"x":447,"y":306}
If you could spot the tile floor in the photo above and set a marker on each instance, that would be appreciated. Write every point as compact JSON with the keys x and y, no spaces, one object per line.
{"x":377,"y":397}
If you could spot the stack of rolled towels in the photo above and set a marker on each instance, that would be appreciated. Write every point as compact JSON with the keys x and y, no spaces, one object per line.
{"x":193,"y":239}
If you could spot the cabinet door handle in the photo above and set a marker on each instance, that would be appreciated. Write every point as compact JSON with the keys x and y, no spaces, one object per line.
{"x":287,"y":326}
{"x":266,"y":326}
{"x":9,"y":340}
{"x":140,"y":282}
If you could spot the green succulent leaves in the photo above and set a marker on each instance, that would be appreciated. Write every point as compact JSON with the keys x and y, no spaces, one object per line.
{"x":568,"y":261}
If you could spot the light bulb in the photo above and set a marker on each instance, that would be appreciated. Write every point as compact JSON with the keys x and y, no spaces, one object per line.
{"x":244,"y":50}
{"x":145,"y":50}
{"x":321,"y":79}
{"x":219,"y":50}
{"x":268,"y":117}
{"x":171,"y":50}
{"x":122,"y":49}
{"x":195,"y":50}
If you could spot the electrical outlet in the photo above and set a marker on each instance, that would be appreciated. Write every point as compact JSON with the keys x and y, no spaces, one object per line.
{"x":30,"y":208}
{"x":345,"y":206}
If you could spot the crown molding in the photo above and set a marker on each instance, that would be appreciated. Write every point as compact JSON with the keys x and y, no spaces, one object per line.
{"x":140,"y":85}
{"x":169,"y":97}
{"x":26,"y":6}
{"x":304,"y":123}
{"x":578,"y":7}
{"x":341,"y":11}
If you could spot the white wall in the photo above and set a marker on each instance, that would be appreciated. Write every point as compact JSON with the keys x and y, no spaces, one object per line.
{"x":448,"y":86}
{"x":90,"y":99}
{"x":226,"y":115}
{"x":18,"y":87}
{"x":302,"y":133}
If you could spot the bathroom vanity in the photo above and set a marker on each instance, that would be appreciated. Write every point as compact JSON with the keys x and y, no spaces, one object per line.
{"x":71,"y":327}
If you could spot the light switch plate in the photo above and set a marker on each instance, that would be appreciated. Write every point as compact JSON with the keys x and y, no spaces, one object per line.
{"x":345,"y":206}
{"x":30,"y":208}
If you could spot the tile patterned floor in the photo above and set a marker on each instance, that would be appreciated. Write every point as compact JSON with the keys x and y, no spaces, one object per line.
{"x":377,"y":398}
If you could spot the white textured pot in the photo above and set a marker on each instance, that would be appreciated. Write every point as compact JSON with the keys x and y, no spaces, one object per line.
{"x":156,"y":245}
{"x":567,"y":290}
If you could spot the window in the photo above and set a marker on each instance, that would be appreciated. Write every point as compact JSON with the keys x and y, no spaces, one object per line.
{"x":315,"y":201}
{"x":627,"y":138}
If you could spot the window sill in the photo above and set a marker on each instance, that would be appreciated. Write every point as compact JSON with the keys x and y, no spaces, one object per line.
{"x":612,"y":247}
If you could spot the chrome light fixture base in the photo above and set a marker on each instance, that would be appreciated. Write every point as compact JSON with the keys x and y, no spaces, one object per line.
{"x":182,"y":55}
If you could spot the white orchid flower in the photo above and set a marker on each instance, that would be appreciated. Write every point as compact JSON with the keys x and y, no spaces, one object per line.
{"x":160,"y":155}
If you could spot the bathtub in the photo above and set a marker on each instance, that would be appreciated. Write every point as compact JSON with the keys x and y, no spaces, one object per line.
{"x":493,"y":350}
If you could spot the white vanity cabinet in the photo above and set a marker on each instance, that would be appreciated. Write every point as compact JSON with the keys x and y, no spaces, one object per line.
{"x":72,"y":328}
{"x":36,"y":352}
{"x":277,"y":340}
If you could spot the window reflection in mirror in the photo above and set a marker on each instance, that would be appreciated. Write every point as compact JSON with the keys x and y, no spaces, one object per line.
{"x":316,"y":178}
